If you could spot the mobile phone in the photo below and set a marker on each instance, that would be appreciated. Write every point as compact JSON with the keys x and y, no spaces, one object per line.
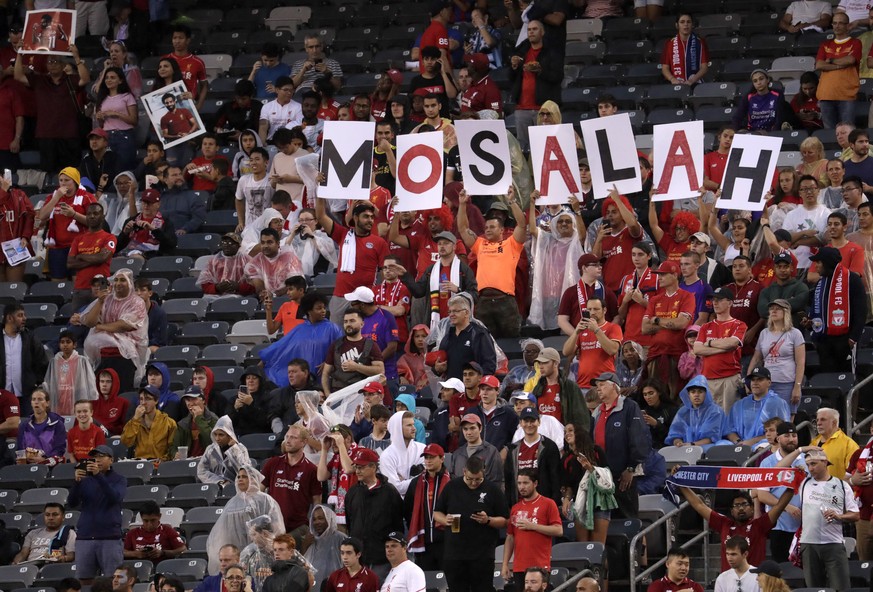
{"x":7,"y":174}
{"x":82,"y":465}
{"x":586,"y":314}
{"x":244,"y":389}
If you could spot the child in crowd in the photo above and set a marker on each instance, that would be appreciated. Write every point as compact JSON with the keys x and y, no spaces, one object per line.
{"x":86,"y":435}
{"x":690,"y":364}
{"x":286,"y":318}
{"x":70,"y":376}
{"x":379,"y":439}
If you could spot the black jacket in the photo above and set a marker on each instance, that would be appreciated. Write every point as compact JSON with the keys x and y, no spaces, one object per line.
{"x":287,"y":576}
{"x":34,"y":362}
{"x":548,"y":86}
{"x":254,"y":418}
{"x":166,"y":237}
{"x":421,"y":288}
{"x":371,"y":514}
{"x":432,"y":535}
{"x":548,"y":464}
{"x":94,"y":169}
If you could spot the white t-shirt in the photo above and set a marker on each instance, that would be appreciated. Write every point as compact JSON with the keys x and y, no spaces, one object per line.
{"x":406,"y":577}
{"x":730,"y":581}
{"x":855,"y":9}
{"x":834,"y":494}
{"x":255,"y":194}
{"x":281,"y":116}
{"x":800,"y":219}
{"x":808,"y":11}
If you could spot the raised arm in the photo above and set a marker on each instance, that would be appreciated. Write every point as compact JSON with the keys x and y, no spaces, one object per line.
{"x":468,"y":236}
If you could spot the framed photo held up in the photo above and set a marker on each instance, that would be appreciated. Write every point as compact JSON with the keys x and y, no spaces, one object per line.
{"x":48,"y":32}
{"x":173,"y":114}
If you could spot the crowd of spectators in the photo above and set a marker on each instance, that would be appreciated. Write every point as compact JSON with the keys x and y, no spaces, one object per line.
{"x":673,"y":324}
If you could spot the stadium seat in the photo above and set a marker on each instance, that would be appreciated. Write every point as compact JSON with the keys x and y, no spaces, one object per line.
{"x":667,"y":96}
{"x":184,"y":569}
{"x":791,"y":139}
{"x":206,"y":18}
{"x":791,"y":67}
{"x":136,"y":472}
{"x":169,"y":515}
{"x":226,"y":377}
{"x":8,"y":497}
{"x":176,"y":356}
{"x":643,"y":75}
{"x":169,"y":268}
{"x":435,"y":580}
{"x":252,"y":332}
{"x":577,"y":556}
{"x":184,"y":310}
{"x":200,"y":520}
{"x":144,"y":568}
{"x":220,"y":221}
{"x":175,"y":472}
{"x":261,"y":446}
{"x":628,"y":97}
{"x":373,"y":15}
{"x":587,"y":53}
{"x":624,"y":28}
{"x":203,"y":333}
{"x":34,"y":500}
{"x":808,"y":44}
{"x":138,"y":494}
{"x":841,"y":380}
{"x":584,"y":29}
{"x":222,"y":42}
{"x":33,"y":269}
{"x":762,"y":23}
{"x":739,"y":70}
{"x":666,"y":115}
{"x":22,"y":477}
{"x":714,"y":25}
{"x":579,"y":99}
{"x":197,"y":244}
{"x":39,"y":314}
{"x":35,"y":589}
{"x":242,"y":66}
{"x":860,"y":573}
{"x":390,"y":57}
{"x":557,"y":576}
{"x":726,"y":456}
{"x":185,"y":287}
{"x":287,"y":18}
{"x":193,"y":495}
{"x":252,"y":357}
{"x":62,"y":475}
{"x":223,"y":354}
{"x":684,"y":455}
{"x":52,"y":574}
{"x":713,"y":93}
{"x":196,"y":547}
{"x":233,"y":310}
{"x":714,"y":117}
{"x":17,"y":576}
{"x":354,"y":61}
{"x":629,"y":51}
{"x":56,"y":293}
{"x":724,"y":47}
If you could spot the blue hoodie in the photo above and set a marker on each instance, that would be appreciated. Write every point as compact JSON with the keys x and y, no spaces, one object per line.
{"x":169,"y":401}
{"x":690,"y":424}
{"x":409,"y":401}
{"x":747,"y":416}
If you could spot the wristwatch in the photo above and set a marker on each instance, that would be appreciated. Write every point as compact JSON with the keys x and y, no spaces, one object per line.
{"x":630,"y":469}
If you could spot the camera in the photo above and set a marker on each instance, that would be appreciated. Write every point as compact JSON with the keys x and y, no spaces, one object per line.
{"x":82,"y":465}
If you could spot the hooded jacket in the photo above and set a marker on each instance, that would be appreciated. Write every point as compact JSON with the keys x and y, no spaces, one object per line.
{"x":49,"y":436}
{"x":747,"y":416}
{"x":573,"y":407}
{"x":169,"y":401}
{"x":409,"y":401}
{"x":185,"y":434}
{"x":214,"y":401}
{"x":371,"y":514}
{"x":410,"y":366}
{"x":116,"y":205}
{"x":240,"y":165}
{"x":222,"y":463}
{"x":628,"y":440}
{"x":153,"y":442}
{"x":287,"y":576}
{"x":690,"y":424}
{"x":323,"y":553}
{"x":111,"y":411}
{"x":165,"y":236}
{"x":397,"y":461}
{"x":254,"y":418}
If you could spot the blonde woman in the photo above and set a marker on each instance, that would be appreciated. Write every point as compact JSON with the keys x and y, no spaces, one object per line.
{"x":782,"y":350}
{"x":814,"y":162}
{"x":770,"y":577}
{"x":550,"y":114}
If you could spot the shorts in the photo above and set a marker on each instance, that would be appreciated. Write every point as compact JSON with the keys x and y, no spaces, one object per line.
{"x":602,"y":515}
{"x":644,"y":3}
{"x":57,"y":263}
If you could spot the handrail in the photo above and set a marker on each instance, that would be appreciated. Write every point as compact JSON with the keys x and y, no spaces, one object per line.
{"x":851,"y":427}
{"x":861,"y":424}
{"x":633,"y":544}
{"x":756,"y":456}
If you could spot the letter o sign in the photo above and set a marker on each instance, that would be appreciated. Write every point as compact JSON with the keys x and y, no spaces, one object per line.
{"x":435,"y":159}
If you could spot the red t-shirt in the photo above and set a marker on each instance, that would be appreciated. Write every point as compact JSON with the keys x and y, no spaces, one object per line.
{"x":80,"y":442}
{"x":617,"y":251}
{"x":329,"y":113}
{"x":370,"y":251}
{"x":193,"y":70}
{"x":633,"y":322}
{"x":532,"y":548}
{"x":670,"y":306}
{"x":199,"y":184}
{"x":674,"y":53}
{"x":177,"y":122}
{"x":11,"y":106}
{"x":392,"y":295}
{"x":164,"y":537}
{"x":673,"y":249}
{"x":727,"y":363}
{"x":763,"y":271}
{"x":571,"y":307}
{"x":755,"y":532}
{"x":59,"y":223}
{"x":293,"y":487}
{"x":483,"y":94}
{"x":865,"y":494}
{"x":593,"y":361}
{"x":528,"y":97}
{"x":527,"y":454}
{"x":9,"y":407}
{"x":745,"y":308}
{"x":341,"y":581}
{"x":549,"y":403}
{"x":91,"y":243}
{"x":853,"y":257}
{"x":460,"y":404}
{"x":436,"y":35}
{"x":665,"y":584}
{"x":714,"y":165}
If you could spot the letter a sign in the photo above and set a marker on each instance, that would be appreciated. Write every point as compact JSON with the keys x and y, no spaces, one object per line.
{"x":678,"y":160}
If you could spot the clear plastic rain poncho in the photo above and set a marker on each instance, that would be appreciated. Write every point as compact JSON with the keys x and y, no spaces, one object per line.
{"x":232,"y":526}
{"x":312,"y":420}
{"x":323,"y":554}
{"x":257,"y":556}
{"x":251,"y":234}
{"x":554,"y":270}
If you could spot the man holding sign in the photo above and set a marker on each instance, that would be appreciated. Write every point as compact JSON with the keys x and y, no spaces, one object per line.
{"x":498,"y":258}
{"x":615,"y":239}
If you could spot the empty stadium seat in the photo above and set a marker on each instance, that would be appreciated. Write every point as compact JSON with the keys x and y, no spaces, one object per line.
{"x":203,"y":333}
{"x":138,"y":494}
{"x":183,"y":310}
{"x":52,"y":574}
{"x":713,"y":93}
{"x":175,"y":472}
{"x":261,"y":446}
{"x":629,"y":51}
{"x":223,"y":354}
{"x":726,"y":455}
{"x":176,"y":355}
{"x":197,"y":244}
{"x":681,"y":455}
{"x":144,"y":568}
{"x":252,"y":332}
{"x":287,"y":18}
{"x":233,"y":310}
{"x":200,"y":520}
{"x":168,"y":268}
{"x":56,"y":293}
{"x":668,"y":96}
{"x":136,"y":472}
{"x":40,"y":313}
{"x":226,"y":377}
{"x":584,"y":29}
{"x":34,"y":500}
{"x":577,"y":556}
{"x":435,"y":580}
{"x":579,"y":52}
{"x":191,"y":495}
{"x":23,"y":477}
{"x":8,"y":497}
{"x":17,"y":576}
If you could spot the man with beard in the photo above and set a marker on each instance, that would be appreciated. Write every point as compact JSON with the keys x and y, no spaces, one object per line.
{"x":590,"y":285}
{"x":90,"y":255}
{"x":784,"y":286}
{"x":379,"y":325}
{"x":25,"y":357}
{"x":224,"y":273}
{"x":741,"y":522}
{"x":312,"y":125}
{"x":360,"y":253}
{"x":351,"y":358}
{"x":292,"y":480}
{"x":267,"y":270}
{"x":282,"y":405}
{"x":177,"y":122}
{"x":710,"y":270}
{"x":859,"y":163}
{"x":536,"y":579}
{"x":788,"y":523}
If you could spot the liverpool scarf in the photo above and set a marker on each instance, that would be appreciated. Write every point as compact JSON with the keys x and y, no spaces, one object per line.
{"x":421,"y":522}
{"x":830,"y":303}
{"x":684,"y":61}
{"x":703,"y":477}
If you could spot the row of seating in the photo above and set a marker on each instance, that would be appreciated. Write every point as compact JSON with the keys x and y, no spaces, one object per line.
{"x":50,"y":575}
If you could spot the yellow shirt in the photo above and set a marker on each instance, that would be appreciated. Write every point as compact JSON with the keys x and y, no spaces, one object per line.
{"x":839,"y":449}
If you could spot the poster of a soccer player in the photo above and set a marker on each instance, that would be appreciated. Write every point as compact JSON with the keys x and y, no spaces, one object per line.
{"x":173,"y":114}
{"x":48,"y":32}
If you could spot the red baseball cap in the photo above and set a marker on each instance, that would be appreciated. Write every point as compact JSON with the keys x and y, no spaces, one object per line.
{"x":97,"y":131}
{"x":478,"y":60}
{"x":437,"y":355}
{"x":373,"y":387}
{"x":433,"y":450}
{"x":151,"y":196}
{"x":365,"y":456}
{"x":490,"y":380}
{"x":471,"y":418}
{"x":668,"y":267}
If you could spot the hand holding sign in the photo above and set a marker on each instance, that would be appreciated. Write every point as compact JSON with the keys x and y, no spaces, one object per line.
{"x":750,"y":167}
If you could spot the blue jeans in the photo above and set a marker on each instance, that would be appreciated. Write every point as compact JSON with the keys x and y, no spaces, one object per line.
{"x":123,"y":143}
{"x":783,"y":389}
{"x":94,"y":558}
{"x":835,"y":112}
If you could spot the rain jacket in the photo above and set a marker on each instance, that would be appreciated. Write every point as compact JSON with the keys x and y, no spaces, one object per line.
{"x":409,"y":401}
{"x":307,"y":341}
{"x":554,"y":270}
{"x":49,"y":436}
{"x":626,"y":376}
{"x":323,"y":553}
{"x":111,"y":411}
{"x":747,"y":416}
{"x":115,"y":204}
{"x":690,"y":424}
{"x":169,"y":401}
{"x":185,"y":435}
{"x":222,"y":463}
{"x":153,"y":442}
{"x":83,"y":384}
{"x":397,"y":461}
{"x":410,"y":366}
{"x":254,"y":418}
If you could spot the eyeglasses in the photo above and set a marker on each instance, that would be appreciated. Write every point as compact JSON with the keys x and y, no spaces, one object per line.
{"x":457,"y":310}
{"x":234,"y":578}
{"x":808,"y":189}
{"x":306,"y":220}
{"x":742,"y":505}
{"x":473,"y":480}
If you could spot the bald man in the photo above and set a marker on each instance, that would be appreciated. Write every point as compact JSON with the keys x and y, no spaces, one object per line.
{"x":587,"y":585}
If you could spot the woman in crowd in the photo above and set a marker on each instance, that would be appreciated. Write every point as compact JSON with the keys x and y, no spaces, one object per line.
{"x":634,"y":292}
{"x":251,"y":234}
{"x":814,"y":161}
{"x":781,"y":349}
{"x":658,"y":411}
{"x":739,"y":242}
{"x":784,"y":199}
{"x":629,"y":365}
{"x":595,"y":496}
{"x":315,"y":249}
{"x":398,"y":114}
{"x":42,"y":436}
{"x":120,"y":58}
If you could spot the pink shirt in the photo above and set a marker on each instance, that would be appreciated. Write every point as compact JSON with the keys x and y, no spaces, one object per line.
{"x":120,"y":103}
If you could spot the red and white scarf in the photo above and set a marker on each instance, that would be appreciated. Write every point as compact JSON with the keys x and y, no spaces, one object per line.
{"x":427,"y":490}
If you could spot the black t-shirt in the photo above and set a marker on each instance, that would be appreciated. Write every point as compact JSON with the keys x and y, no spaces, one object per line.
{"x":474,"y":541}
{"x":454,"y":162}
{"x":382,"y":172}
{"x":433,"y":86}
